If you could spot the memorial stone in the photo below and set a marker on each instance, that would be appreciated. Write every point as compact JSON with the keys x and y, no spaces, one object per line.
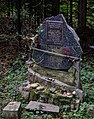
{"x":58,"y":44}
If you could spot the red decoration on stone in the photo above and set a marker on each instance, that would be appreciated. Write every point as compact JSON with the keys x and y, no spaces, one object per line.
{"x":67,"y":51}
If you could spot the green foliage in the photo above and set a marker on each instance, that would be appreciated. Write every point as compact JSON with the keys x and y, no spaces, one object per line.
{"x":64,"y":8}
{"x":82,"y":113}
{"x":27,"y":115}
{"x":90,"y":13}
{"x":87,"y":72}
{"x":3,"y":7}
{"x":9,"y":85}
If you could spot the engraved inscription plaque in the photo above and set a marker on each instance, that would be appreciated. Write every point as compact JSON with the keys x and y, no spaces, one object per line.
{"x":54,"y":32}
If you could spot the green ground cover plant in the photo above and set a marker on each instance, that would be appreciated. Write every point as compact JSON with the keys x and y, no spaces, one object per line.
{"x":17,"y":74}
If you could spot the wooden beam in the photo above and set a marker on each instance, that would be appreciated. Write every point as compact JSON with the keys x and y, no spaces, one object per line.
{"x":54,"y":53}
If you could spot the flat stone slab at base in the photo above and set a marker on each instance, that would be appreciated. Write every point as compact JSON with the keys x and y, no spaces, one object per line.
{"x":12,"y":110}
{"x":33,"y":105}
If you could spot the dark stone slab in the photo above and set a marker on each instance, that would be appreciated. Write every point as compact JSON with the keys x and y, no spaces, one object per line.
{"x":57,"y":36}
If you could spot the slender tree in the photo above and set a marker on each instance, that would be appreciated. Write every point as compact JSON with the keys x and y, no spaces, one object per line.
{"x":71,"y":7}
{"x":8,"y":6}
{"x":19,"y":21}
{"x":82,"y":11}
{"x":55,"y":7}
{"x":12,"y":5}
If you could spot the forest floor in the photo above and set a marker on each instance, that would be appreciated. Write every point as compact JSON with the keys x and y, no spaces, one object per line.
{"x":13,"y":74}
{"x":9,"y":52}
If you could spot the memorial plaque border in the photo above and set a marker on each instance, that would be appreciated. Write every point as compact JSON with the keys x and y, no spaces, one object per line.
{"x":52,"y":43}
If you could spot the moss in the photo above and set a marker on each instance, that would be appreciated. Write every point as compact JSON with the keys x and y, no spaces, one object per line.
{"x":64,"y":76}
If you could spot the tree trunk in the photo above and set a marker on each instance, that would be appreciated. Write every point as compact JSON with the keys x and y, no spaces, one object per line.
{"x":67,"y":19}
{"x":82,"y":11}
{"x":12,"y":5}
{"x":55,"y":7}
{"x":8,"y":5}
{"x":45,"y":9}
{"x":71,"y":6}
{"x":19,"y":21}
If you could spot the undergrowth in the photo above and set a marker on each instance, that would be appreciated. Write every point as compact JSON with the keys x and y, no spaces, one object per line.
{"x":17,"y":74}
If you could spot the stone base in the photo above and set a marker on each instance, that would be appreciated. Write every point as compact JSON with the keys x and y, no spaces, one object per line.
{"x":60,"y":87}
{"x":67,"y":77}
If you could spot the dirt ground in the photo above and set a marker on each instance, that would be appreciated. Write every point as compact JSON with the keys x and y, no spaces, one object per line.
{"x":8,"y":52}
